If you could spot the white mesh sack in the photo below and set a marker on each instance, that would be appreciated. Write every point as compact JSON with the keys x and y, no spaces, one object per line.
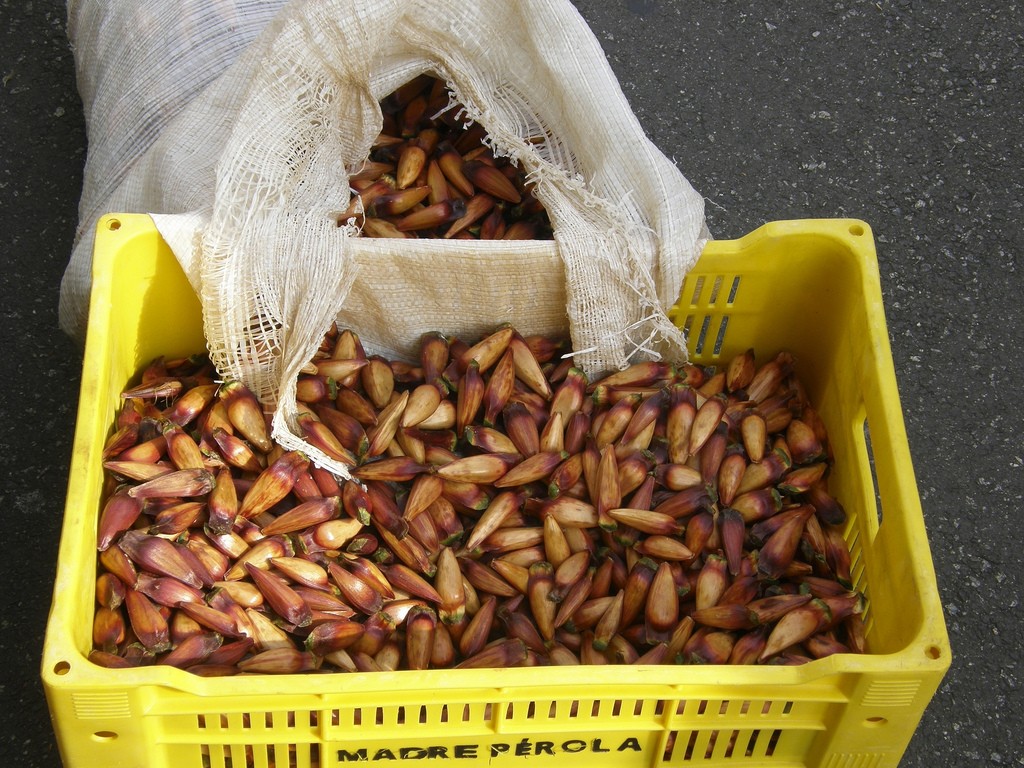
{"x":259,"y":163}
{"x":141,"y":64}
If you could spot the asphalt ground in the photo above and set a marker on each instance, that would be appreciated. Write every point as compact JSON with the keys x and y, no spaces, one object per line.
{"x":906,"y":114}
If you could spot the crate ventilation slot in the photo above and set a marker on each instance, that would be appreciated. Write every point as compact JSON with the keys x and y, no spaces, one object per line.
{"x":556,"y":709}
{"x":278,"y":756}
{"x":712,"y":325}
{"x":707,"y":708}
{"x":716,"y":284}
{"x":416,"y":715}
{"x":700,"y":745}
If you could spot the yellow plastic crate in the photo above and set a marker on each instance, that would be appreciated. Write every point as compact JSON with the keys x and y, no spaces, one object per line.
{"x":808,"y":286}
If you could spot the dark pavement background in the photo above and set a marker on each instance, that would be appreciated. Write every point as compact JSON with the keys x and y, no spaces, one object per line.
{"x":905,"y":114}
